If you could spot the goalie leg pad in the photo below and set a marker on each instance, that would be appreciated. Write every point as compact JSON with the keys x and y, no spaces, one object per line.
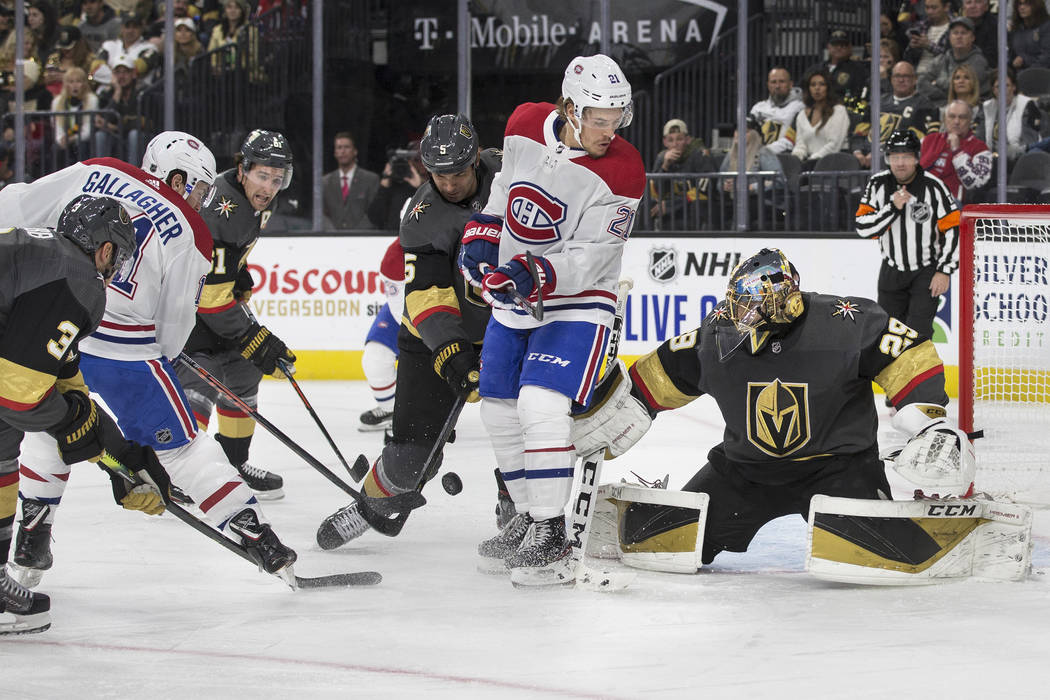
{"x":614,"y":421}
{"x":660,"y":530}
{"x":917,"y":542}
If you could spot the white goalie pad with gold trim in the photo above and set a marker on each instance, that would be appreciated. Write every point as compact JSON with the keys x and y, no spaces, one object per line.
{"x":918,"y":542}
{"x":632,"y":523}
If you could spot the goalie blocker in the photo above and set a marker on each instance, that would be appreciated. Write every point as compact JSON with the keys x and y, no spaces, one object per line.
{"x":918,"y":542}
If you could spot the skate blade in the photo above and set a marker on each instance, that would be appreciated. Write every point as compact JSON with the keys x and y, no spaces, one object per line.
{"x":372,"y":428}
{"x":11,"y":623}
{"x":27,"y":576}
{"x":287,"y":574}
{"x":274,"y":495}
{"x":492,"y":567}
{"x":559,"y":573}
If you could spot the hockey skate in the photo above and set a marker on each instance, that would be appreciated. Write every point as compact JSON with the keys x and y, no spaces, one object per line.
{"x":544,"y":557}
{"x":268,"y":551}
{"x":341,"y":526}
{"x":266,"y":485}
{"x":22,"y":611}
{"x":377,"y":418}
{"x":494,"y":552}
{"x":32,"y":555}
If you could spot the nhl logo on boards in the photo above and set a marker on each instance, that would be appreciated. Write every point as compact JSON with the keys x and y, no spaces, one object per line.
{"x":534,"y":214}
{"x":920,"y":212}
{"x":663,"y":265}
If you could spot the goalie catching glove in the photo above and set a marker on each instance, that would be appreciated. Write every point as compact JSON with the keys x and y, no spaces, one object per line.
{"x":939,"y":454}
{"x":457,"y":363}
{"x":264,"y":350}
{"x":615,"y":420}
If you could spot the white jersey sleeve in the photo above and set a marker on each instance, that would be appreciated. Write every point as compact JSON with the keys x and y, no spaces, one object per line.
{"x":151,"y":307}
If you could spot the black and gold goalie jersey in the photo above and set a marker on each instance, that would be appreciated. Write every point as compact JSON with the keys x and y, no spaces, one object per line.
{"x":51,"y":297}
{"x":806,"y":394}
{"x":235,"y":226}
{"x":439,"y":305}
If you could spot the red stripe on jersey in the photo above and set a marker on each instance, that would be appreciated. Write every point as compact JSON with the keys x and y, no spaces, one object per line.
{"x":26,"y":472}
{"x":188,"y":424}
{"x":202,"y":420}
{"x":427,"y":313}
{"x":527,"y":120}
{"x":220,"y":494}
{"x":653,"y":403}
{"x":903,"y":393}
{"x":230,"y":412}
{"x":585,"y":293}
{"x":383,"y":388}
{"x":621,"y":168}
{"x":570,"y":448}
{"x":127,"y":327}
{"x":217,"y":309}
{"x":19,"y":406}
{"x":9,"y":479}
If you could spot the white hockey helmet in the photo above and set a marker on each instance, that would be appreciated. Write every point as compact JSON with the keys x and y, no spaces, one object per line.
{"x":597,"y":81}
{"x":171,"y":151}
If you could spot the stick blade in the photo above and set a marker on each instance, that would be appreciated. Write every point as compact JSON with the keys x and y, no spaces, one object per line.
{"x":354,"y":578}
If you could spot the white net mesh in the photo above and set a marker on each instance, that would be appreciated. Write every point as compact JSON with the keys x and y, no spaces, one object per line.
{"x":1011,"y":356}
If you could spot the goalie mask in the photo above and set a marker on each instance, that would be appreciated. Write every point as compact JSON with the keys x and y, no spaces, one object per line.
{"x":762,"y":301}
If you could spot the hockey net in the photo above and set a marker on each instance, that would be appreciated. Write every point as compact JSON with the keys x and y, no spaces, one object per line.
{"x":1004,"y":347}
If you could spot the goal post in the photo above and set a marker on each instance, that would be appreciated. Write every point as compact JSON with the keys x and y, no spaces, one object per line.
{"x":1004,"y":346}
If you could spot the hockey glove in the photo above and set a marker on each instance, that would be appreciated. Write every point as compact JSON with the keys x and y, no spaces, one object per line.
{"x":264,"y":349}
{"x":153,"y":491}
{"x":85,"y":431}
{"x":498,"y":286}
{"x":615,"y":420}
{"x":479,"y":248}
{"x":457,"y":363}
{"x":939,"y":454}
{"x":243,"y":285}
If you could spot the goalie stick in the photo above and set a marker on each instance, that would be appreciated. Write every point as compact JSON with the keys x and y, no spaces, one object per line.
{"x":583,"y":506}
{"x":355,"y":578}
{"x":405,"y":501}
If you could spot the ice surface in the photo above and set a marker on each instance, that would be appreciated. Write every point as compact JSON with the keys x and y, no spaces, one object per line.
{"x":146,"y":607}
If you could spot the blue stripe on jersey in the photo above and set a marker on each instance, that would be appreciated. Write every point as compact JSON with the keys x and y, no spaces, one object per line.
{"x":548,"y":473}
{"x":124,"y":341}
{"x":49,"y":501}
{"x":511,"y":476}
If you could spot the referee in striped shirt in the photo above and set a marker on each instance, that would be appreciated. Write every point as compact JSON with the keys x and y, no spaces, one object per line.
{"x":916,"y":219}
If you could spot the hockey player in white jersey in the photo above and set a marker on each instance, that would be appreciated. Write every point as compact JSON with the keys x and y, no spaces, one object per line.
{"x":150,"y":311}
{"x":567,"y":194}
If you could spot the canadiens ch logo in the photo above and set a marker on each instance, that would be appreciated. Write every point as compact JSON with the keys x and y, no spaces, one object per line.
{"x":663,"y":265}
{"x":777,"y":417}
{"x":417,"y":211}
{"x":846,"y":309}
{"x":225,"y":207}
{"x":533,"y":215}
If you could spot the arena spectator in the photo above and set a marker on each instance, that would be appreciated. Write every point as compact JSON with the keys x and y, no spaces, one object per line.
{"x":7,"y":21}
{"x":889,"y":56}
{"x":822,"y":125}
{"x":42,"y":20}
{"x":935,"y":83}
{"x":349,"y":189}
{"x":98,"y":23}
{"x":400,"y":179}
{"x":180,"y":9}
{"x":928,"y":37}
{"x":187,"y":45}
{"x":71,"y":50}
{"x":682,"y":153}
{"x":905,"y":108}
{"x":890,"y":28}
{"x":985,"y":27}
{"x":131,"y":46}
{"x":1030,"y":37}
{"x":1023,"y":118}
{"x":240,"y":38}
{"x":964,"y":86}
{"x":771,"y":126}
{"x":73,"y":133}
{"x":120,"y":137}
{"x":956,"y":155}
{"x":848,"y":77}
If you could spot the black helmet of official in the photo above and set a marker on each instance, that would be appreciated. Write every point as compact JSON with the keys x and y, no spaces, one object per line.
{"x":449,"y":144}
{"x":268,"y":148}
{"x":91,"y":221}
{"x":902,"y":141}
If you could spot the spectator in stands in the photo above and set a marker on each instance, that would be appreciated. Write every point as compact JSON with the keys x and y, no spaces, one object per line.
{"x":72,"y":51}
{"x":187,"y":45}
{"x":42,"y":20}
{"x":98,"y":23}
{"x":956,"y":155}
{"x":681,"y":154}
{"x":964,"y":86}
{"x":73,"y":134}
{"x":890,"y":28}
{"x":935,"y":83}
{"x":130,"y":46}
{"x":985,"y":28}
{"x":349,"y":189}
{"x":400,"y":179}
{"x":905,"y":108}
{"x":121,"y":137}
{"x":241,"y":38}
{"x":849,"y":78}
{"x":771,"y":126}
{"x":1030,"y":37}
{"x":35,"y":92}
{"x":53,"y":75}
{"x":889,"y":56}
{"x":928,"y":37}
{"x":7,"y":175}
{"x":822,"y":125}
{"x":180,"y":9}
{"x":7,"y":22}
{"x":1023,"y":118}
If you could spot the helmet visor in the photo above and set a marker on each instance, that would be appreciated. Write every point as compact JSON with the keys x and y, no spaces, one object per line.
{"x":200,"y":195}
{"x":607,"y":117}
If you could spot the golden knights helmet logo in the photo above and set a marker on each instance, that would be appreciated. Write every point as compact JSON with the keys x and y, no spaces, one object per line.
{"x":777,"y":417}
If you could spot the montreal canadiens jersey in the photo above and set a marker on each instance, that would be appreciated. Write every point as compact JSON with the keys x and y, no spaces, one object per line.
{"x":574,"y":210}
{"x":151,"y":306}
{"x":807,"y":394}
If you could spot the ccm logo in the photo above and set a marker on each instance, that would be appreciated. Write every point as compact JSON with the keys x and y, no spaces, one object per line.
{"x":552,"y":359}
{"x":951,"y":510}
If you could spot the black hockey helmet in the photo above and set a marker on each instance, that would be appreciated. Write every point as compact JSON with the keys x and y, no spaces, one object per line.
{"x":902,"y":141}
{"x":91,"y":221}
{"x":449,"y":144}
{"x":762,"y":300}
{"x":268,"y":148}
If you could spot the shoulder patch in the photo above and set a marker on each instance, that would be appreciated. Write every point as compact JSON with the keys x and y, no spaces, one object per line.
{"x":417,"y":211}
{"x":845,"y":308}
{"x":225,"y":207}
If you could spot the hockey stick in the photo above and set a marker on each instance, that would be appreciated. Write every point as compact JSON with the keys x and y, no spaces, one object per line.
{"x":407,"y":501}
{"x":583,"y":510}
{"x":288,"y":371}
{"x":356,"y":578}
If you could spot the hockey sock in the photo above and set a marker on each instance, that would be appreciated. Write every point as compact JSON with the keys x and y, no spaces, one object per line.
{"x":500,"y":417}
{"x":549,"y":453}
{"x":236,"y":448}
{"x":8,"y":503}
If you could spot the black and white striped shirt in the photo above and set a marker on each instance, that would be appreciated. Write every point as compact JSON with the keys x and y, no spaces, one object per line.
{"x":924,"y":233}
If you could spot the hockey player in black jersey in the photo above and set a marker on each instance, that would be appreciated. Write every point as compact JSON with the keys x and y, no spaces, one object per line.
{"x":52,"y":295}
{"x":791,"y":372}
{"x":444,"y":318}
{"x":227,"y":340}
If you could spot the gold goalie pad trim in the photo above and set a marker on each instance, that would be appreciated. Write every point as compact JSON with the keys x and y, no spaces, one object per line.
{"x":659,"y":530}
{"x":917,"y":542}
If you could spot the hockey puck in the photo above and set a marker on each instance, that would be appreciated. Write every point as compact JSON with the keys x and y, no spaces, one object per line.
{"x":451,"y":483}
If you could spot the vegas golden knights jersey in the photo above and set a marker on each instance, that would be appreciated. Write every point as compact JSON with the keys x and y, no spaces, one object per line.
{"x":806,"y":394}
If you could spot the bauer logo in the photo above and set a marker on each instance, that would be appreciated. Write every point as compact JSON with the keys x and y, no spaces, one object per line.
{"x":533,"y":215}
{"x":663,"y":265}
